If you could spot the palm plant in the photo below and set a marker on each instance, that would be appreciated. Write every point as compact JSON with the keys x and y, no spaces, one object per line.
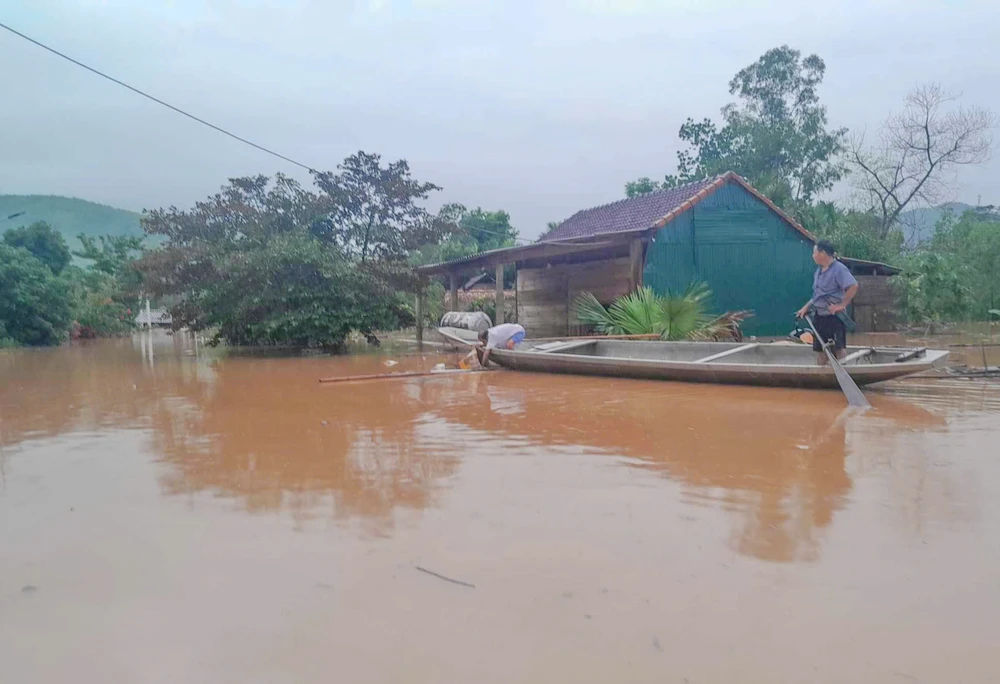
{"x":672,"y":317}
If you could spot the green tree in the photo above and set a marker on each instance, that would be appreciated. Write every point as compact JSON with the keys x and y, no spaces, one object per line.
{"x":854,"y":233}
{"x":374,"y":211}
{"x":34,"y":303}
{"x":296,"y":291}
{"x":973,"y":243}
{"x":933,"y":287}
{"x":111,"y":254}
{"x":112,"y":283}
{"x":270,"y":263}
{"x":46,"y":244}
{"x":100,"y":307}
{"x":466,"y":232}
{"x":641,"y":186}
{"x":776,"y":135}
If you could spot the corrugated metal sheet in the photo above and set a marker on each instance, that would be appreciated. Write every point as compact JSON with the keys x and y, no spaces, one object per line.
{"x":748,"y":255}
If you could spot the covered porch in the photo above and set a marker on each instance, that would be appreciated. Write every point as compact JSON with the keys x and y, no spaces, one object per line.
{"x":549,"y":276}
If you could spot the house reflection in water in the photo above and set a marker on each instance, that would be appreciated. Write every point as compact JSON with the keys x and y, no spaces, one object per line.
{"x":773,"y":459}
{"x":263,"y":432}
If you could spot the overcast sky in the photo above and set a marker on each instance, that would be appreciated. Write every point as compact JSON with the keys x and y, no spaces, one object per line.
{"x":537,"y":107}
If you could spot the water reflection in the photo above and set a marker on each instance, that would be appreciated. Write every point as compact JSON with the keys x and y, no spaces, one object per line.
{"x":775,"y":459}
{"x":263,"y":432}
{"x":269,"y":434}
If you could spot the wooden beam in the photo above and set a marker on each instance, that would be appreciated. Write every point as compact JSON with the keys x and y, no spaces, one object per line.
{"x":635,"y":264}
{"x":499,"y":295}
{"x":536,"y":251}
{"x":453,"y":291}
{"x":728,"y":352}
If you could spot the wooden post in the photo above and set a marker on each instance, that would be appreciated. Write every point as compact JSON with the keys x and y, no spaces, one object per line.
{"x":453,"y":291}
{"x":515,"y":295}
{"x":499,"y":295}
{"x":635,"y":264}
{"x":419,"y":311}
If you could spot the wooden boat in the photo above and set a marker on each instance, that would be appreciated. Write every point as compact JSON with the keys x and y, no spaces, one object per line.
{"x":775,"y":364}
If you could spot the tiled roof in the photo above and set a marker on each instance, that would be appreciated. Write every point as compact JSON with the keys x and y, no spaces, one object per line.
{"x":634,"y":213}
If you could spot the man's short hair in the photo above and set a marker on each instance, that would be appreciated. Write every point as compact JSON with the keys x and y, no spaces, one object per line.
{"x":484,"y":335}
{"x":826,"y":246}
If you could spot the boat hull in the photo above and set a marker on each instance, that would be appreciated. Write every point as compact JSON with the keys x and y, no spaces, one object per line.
{"x":766,"y":364}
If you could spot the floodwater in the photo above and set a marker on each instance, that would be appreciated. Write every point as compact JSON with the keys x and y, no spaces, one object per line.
{"x":199,"y":516}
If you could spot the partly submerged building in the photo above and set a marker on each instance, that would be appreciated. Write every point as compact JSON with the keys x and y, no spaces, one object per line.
{"x":720,"y":230}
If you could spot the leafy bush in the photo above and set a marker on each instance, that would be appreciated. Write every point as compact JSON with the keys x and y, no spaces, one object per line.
{"x":294,"y":291}
{"x":100,"y":309}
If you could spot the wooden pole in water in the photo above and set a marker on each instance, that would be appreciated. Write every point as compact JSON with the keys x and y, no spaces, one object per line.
{"x":499,"y":296}
{"x":419,"y":311}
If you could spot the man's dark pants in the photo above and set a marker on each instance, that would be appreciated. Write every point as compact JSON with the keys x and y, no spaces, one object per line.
{"x":830,"y":328}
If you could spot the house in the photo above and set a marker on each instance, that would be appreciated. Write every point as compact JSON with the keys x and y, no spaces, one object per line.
{"x":161,"y":318}
{"x":720,"y":230}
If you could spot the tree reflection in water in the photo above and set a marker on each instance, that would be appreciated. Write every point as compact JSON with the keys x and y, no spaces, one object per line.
{"x":263,"y":432}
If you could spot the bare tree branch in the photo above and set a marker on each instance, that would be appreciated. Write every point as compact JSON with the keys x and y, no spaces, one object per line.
{"x":918,"y":152}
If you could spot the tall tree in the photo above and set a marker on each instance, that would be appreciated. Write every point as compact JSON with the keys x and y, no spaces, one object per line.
{"x":44,"y":242}
{"x":641,"y":186}
{"x":114,"y":255}
{"x":270,"y":263}
{"x":776,"y":135}
{"x":916,"y":153}
{"x":375,"y":212}
{"x":34,"y":303}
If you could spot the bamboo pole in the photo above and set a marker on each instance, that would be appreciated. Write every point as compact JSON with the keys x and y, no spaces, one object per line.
{"x":394,"y":376}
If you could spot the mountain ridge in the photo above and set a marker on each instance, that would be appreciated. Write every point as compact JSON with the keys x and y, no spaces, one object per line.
{"x":70,"y":216}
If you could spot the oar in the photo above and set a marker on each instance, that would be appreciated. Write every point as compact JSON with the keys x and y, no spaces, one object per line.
{"x":855,"y":397}
{"x":394,"y":376}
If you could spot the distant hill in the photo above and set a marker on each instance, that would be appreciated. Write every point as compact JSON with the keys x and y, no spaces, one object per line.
{"x":68,"y":215}
{"x":918,"y":224}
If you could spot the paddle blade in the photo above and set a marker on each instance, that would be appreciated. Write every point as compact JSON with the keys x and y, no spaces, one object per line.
{"x":855,"y":397}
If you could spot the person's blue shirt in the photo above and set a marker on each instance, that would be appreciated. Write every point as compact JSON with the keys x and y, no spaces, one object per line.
{"x":830,"y":286}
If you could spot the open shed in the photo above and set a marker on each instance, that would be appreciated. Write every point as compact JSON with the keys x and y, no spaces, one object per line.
{"x":720,"y":230}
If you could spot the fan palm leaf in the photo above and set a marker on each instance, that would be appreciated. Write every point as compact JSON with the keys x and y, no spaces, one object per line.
{"x":671,"y":316}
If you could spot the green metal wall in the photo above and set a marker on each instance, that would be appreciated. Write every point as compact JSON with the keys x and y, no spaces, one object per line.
{"x":746,"y":253}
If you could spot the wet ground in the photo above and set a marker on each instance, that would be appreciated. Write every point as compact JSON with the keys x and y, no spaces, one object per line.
{"x":213,"y":517}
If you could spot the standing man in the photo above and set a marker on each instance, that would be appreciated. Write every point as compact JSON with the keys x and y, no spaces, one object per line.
{"x":505,"y":335}
{"x":833,"y":289}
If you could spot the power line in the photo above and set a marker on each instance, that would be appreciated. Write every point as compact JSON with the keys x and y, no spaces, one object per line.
{"x":184,"y":113}
{"x":156,"y":99}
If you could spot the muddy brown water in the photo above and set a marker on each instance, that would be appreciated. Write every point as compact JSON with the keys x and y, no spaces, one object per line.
{"x":211,"y":517}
